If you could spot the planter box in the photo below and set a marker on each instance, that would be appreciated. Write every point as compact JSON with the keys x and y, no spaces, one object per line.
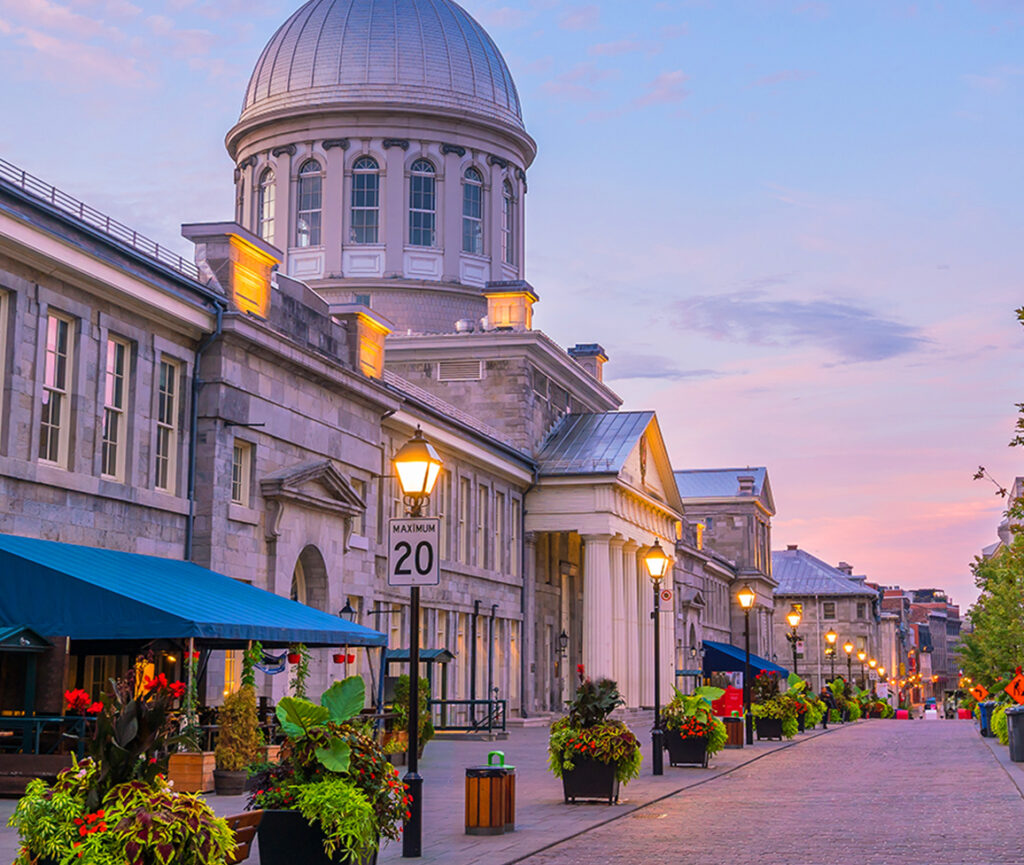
{"x":270,"y":753}
{"x":686,"y":752}
{"x":229,"y":783}
{"x":801,"y":722}
{"x":768,"y":728}
{"x":285,"y":838}
{"x":591,"y":779}
{"x":192,"y":772}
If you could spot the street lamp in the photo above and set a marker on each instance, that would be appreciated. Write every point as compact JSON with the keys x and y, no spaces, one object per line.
{"x":848,"y":648}
{"x":417,"y":465}
{"x":793,"y":617}
{"x":830,"y":638}
{"x":657,"y":565}
{"x":347,"y":612}
{"x":746,"y":597}
{"x":872,"y":663}
{"x":861,"y":655}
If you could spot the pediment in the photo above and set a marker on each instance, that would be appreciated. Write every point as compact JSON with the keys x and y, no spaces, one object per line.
{"x":316,"y":485}
{"x":648,"y":467}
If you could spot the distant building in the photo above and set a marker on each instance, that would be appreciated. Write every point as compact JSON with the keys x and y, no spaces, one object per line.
{"x":829,"y":598}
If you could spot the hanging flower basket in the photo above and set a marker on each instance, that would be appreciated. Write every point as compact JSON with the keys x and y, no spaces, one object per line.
{"x":294,"y":657}
{"x":339,"y":657}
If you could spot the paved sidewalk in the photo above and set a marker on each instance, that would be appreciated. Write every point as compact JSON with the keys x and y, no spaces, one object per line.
{"x":542,"y":816}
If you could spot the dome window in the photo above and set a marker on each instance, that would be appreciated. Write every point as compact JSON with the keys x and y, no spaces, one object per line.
{"x":473,"y":212}
{"x":265,"y":205}
{"x":422,"y":203}
{"x":365,"y":200}
{"x":508,"y":224}
{"x":310,"y":204}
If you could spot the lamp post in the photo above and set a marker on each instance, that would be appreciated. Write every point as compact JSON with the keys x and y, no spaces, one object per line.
{"x":872,"y":663}
{"x":657,"y":563}
{"x":830,"y":638}
{"x":848,"y":648}
{"x":417,"y":465}
{"x":793,"y":617}
{"x":861,"y":656}
{"x":746,"y":597}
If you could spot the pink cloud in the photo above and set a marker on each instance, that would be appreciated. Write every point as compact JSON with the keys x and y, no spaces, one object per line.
{"x":581,"y":18}
{"x":579,"y":82}
{"x":666,"y":89}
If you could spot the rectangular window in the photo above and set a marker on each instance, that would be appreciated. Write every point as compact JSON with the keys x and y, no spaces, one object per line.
{"x":365,"y":201}
{"x":828,"y":610}
{"x":513,"y":538}
{"x":167,"y":426}
{"x":55,"y":420}
{"x":481,"y":526}
{"x":232,"y":671}
{"x":499,"y":531}
{"x":464,"y":504}
{"x":115,"y":422}
{"x":861,"y":610}
{"x":241,"y":471}
{"x":441,"y":506}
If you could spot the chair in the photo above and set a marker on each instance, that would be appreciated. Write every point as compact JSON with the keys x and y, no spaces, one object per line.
{"x":244,"y":826}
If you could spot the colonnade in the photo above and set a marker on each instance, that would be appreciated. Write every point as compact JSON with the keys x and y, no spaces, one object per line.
{"x":618,"y":629}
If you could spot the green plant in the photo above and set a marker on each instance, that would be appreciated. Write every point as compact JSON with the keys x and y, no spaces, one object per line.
{"x":250,"y":658}
{"x":300,"y":670}
{"x":190,"y":733}
{"x":999,"y":725}
{"x":239,"y":741}
{"x":593,"y":701}
{"x":853,"y":707}
{"x":137,"y":823}
{"x":400,"y":707}
{"x":342,"y":812}
{"x":781,"y":708}
{"x":764,"y":686}
{"x":692,"y":716}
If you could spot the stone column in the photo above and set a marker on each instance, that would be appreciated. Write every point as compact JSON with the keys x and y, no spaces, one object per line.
{"x":451,"y":214}
{"x":492,"y":221}
{"x":618,"y":610}
{"x":334,"y":199}
{"x":597,"y":606}
{"x":630,"y":685}
{"x":283,"y":200}
{"x":394,"y":213}
{"x":645,"y":609}
{"x":528,"y":654}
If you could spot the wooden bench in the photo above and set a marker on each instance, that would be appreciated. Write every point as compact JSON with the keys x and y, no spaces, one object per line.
{"x":244,"y":826}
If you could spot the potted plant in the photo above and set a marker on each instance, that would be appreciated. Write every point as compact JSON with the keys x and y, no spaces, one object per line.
{"x":692,"y":732}
{"x":396,"y":739}
{"x":116,"y":806}
{"x":591,"y":753}
{"x":239,"y":741}
{"x":333,"y":796}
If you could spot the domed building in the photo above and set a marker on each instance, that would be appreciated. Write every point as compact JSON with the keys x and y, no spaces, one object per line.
{"x":381,"y":148}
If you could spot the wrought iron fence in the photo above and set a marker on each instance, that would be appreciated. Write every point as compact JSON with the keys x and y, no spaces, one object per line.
{"x":468,"y":715}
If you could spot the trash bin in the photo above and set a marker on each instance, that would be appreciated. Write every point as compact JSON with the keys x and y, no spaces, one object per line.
{"x":485,"y":800}
{"x":1015,"y":724}
{"x":497,"y":759}
{"x":734,"y":732}
{"x":985,"y":714}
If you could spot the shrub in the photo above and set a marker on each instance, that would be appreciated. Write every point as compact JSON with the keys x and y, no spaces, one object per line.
{"x":693,"y":717}
{"x":239,"y":741}
{"x":1000,"y":728}
{"x":343,"y":813}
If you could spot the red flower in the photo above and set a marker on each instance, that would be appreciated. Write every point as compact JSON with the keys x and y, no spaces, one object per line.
{"x":177,"y":689}
{"x":95,"y":708}
{"x":579,"y":669}
{"x":408,"y":815}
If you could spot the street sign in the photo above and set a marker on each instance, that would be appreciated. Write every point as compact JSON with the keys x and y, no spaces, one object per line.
{"x":1016,"y":688}
{"x":413,"y":558}
{"x":979,"y":692}
{"x":666,"y":596}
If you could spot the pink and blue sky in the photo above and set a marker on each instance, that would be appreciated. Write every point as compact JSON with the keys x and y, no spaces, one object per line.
{"x":795,"y":226}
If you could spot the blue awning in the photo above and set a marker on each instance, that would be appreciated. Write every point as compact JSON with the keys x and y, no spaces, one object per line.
{"x":723,"y":658}
{"x":93,"y":594}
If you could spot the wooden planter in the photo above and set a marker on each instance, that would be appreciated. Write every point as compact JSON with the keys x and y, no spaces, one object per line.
{"x":591,"y":779}
{"x":801,"y":722}
{"x":769,"y":728}
{"x":287,"y":839}
{"x":270,"y":753}
{"x":192,"y":771}
{"x":691,"y":751}
{"x":227,"y":782}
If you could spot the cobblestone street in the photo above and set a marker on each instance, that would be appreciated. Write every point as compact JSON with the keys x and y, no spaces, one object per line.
{"x":877,"y":792}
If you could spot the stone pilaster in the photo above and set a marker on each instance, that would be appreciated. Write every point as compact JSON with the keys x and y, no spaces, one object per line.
{"x":630,"y":685}
{"x":531,"y":663}
{"x":618,"y":609}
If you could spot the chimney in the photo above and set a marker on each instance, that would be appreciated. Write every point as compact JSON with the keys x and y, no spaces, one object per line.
{"x":792,"y":547}
{"x":591,"y":357}
{"x":746,"y":483}
{"x":367,"y":331}
{"x":509,"y":305}
{"x":235,"y":261}
{"x":846,"y":568}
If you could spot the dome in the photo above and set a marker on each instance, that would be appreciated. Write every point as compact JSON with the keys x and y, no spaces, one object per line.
{"x":418,"y":53}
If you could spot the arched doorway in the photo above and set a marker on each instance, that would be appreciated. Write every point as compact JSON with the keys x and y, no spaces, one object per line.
{"x":309,"y":579}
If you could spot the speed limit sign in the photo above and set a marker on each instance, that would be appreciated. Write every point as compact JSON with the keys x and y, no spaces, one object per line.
{"x":413,"y":552}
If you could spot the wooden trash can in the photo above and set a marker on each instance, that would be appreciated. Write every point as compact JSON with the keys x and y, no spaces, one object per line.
{"x":496,"y":759}
{"x":485,"y":800}
{"x":734,"y":727}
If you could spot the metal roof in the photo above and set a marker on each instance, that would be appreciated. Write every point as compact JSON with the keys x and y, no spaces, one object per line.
{"x":718,"y":483}
{"x":423,"y":53}
{"x":800,"y":573}
{"x":587,"y":444}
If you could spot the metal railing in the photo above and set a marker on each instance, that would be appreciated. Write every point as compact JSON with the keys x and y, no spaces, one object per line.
{"x":95,"y":219}
{"x":471,"y":716}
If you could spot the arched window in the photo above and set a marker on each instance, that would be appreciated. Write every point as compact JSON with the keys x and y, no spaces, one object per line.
{"x":265,"y":205}
{"x":309,"y":204}
{"x":365,"y":200}
{"x":473,"y":212}
{"x":422,"y":204}
{"x":508,"y":224}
